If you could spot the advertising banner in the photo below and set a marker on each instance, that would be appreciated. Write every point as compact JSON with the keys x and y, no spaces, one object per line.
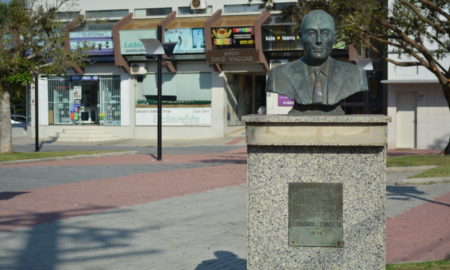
{"x":100,"y":41}
{"x":280,"y":38}
{"x":285,"y":101}
{"x":130,"y":43}
{"x":174,"y":116}
{"x":189,"y":40}
{"x":233,"y":37}
{"x":232,"y":56}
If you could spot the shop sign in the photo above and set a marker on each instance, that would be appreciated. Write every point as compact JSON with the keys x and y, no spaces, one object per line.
{"x":280,"y":38}
{"x":101,"y":42}
{"x":285,"y":101}
{"x":232,"y":56}
{"x":174,"y":116}
{"x":233,"y":37}
{"x":130,"y":41}
{"x":84,"y":78}
{"x":189,"y":40}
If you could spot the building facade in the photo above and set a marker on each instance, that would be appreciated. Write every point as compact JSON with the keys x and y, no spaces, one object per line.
{"x":217,"y":73}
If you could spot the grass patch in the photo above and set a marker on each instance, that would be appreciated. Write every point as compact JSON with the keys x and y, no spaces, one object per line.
{"x":433,"y":265}
{"x":443,"y":163}
{"x":403,"y":161}
{"x":441,"y":171}
{"x":36,"y":155}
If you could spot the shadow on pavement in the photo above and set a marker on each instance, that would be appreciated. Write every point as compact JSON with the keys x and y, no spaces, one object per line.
{"x":9,"y":195}
{"x":225,"y":260}
{"x":404,"y":193}
{"x":48,"y":246}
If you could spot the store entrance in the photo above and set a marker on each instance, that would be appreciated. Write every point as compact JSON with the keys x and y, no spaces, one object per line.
{"x":89,"y":102}
{"x":84,"y":100}
{"x":245,"y":95}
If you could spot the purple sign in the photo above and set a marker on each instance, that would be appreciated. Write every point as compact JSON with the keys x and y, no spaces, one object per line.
{"x":100,"y":41}
{"x":285,"y":101}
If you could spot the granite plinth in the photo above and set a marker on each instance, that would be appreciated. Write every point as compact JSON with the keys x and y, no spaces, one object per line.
{"x":334,"y":149}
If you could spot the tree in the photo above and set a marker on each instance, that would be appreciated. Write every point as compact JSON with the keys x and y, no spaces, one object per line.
{"x":32,"y":42}
{"x":419,"y":29}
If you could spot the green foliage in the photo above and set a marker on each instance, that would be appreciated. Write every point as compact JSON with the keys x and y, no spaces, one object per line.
{"x":442,"y":161}
{"x":33,"y":41}
{"x":425,"y":160}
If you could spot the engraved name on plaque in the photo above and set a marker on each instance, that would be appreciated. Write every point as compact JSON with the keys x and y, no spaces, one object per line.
{"x":315,"y":215}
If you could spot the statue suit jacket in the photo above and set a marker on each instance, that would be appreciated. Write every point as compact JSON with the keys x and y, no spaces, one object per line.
{"x":344,"y":80}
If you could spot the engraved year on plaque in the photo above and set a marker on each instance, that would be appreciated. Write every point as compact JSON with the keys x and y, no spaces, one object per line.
{"x":315,"y":215}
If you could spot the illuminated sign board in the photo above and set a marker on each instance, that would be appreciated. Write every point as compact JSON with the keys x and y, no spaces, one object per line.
{"x":130,"y":41}
{"x":101,"y":42}
{"x":189,"y":40}
{"x":280,"y":38}
{"x":233,"y":37}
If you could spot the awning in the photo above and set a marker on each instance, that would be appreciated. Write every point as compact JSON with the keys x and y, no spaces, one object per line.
{"x":196,"y":22}
{"x":128,"y":32}
{"x":237,"y":39}
{"x":141,"y":24}
{"x":235,"y":20}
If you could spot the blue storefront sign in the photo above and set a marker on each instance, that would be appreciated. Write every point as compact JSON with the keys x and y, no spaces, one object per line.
{"x":101,"y":42}
{"x":189,"y":40}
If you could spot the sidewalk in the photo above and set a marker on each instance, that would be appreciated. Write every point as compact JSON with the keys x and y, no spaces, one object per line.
{"x":185,"y":212}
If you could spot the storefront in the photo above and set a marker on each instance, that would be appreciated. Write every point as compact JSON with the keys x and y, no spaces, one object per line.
{"x":192,"y":105}
{"x":234,"y":48}
{"x":84,"y":99}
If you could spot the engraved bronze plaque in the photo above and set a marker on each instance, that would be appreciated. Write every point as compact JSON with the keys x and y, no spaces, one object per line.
{"x":315,"y":215}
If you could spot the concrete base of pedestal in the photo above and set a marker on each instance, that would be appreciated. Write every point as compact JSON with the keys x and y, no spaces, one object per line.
{"x":316,"y":149}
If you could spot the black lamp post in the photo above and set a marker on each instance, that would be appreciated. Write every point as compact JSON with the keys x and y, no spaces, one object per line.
{"x":155,"y":47}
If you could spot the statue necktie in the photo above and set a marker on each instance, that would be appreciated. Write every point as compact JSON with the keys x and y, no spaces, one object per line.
{"x":317,"y":89}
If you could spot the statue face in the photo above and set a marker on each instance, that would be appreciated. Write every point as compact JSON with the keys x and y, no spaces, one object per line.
{"x":318,"y":37}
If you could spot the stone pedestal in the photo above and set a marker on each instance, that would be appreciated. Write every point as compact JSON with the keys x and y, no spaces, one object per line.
{"x":346,"y":150}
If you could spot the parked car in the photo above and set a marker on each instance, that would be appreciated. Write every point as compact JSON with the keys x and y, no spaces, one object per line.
{"x":18,"y":119}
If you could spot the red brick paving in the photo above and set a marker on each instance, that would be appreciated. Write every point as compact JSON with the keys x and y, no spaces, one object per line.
{"x":75,"y":199}
{"x":420,"y":234}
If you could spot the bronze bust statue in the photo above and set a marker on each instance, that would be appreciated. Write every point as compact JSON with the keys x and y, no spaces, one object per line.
{"x":316,"y":82}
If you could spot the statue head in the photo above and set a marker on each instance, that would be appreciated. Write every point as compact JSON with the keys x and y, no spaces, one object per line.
{"x":318,"y":36}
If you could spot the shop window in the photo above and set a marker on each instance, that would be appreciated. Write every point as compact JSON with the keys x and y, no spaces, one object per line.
{"x":180,"y":88}
{"x":104,"y":14}
{"x":242,"y":8}
{"x":77,"y":100}
{"x":189,"y":11}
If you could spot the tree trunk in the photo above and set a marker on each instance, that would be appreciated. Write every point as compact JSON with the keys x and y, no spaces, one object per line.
{"x":446,"y":92}
{"x":5,"y":122}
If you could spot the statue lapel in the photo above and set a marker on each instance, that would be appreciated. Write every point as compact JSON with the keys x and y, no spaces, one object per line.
{"x":299,"y":81}
{"x":335,"y":82}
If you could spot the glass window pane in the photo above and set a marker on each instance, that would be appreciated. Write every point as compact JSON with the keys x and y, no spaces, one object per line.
{"x":242,"y":8}
{"x":158,"y":11}
{"x":98,"y":14}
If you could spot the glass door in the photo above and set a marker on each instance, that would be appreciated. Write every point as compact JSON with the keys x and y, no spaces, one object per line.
{"x":109,"y":93}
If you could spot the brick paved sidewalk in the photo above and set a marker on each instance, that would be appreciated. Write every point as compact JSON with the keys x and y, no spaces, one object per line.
{"x":420,"y":233}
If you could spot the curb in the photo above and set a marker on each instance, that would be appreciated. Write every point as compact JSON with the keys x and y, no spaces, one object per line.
{"x":409,"y":169}
{"x":69,"y":157}
{"x":422,"y":181}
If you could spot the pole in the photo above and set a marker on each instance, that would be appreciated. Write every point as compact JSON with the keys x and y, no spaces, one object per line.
{"x":36,"y":112}
{"x":159,"y":74}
